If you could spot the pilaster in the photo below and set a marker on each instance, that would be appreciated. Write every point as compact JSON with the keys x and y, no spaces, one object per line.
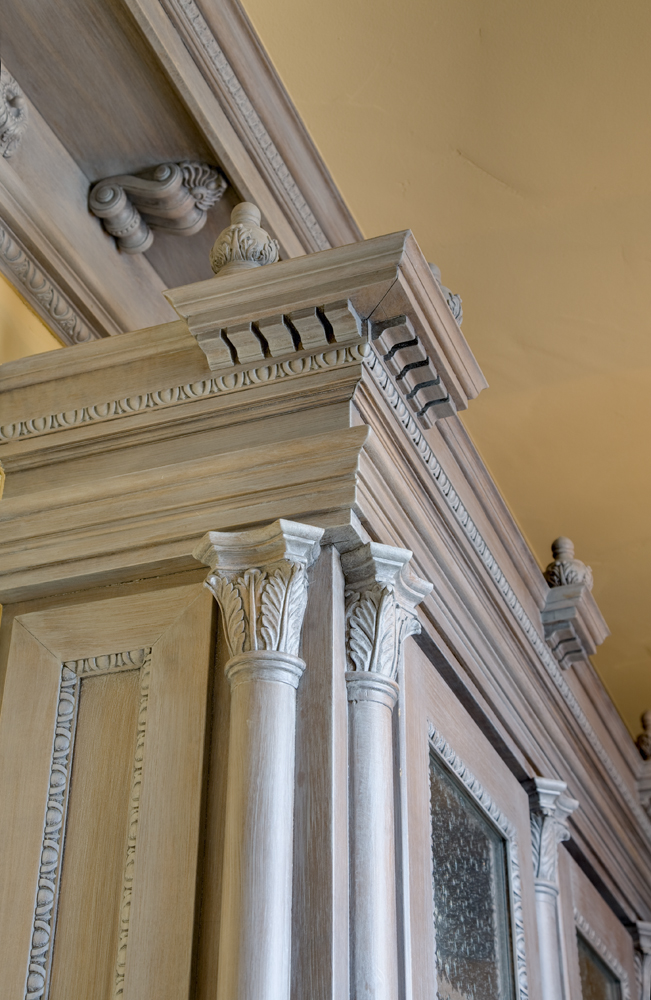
{"x":550,"y":808}
{"x":381,"y":598}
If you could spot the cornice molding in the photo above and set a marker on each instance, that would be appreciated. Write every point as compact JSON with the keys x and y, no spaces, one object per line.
{"x":604,"y":952}
{"x":40,"y":291}
{"x":474,"y":787}
{"x":501,"y":582}
{"x":214,"y":58}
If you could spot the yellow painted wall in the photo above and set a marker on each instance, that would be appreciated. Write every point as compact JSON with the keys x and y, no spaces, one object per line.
{"x":22,"y":332}
{"x":514,"y":139}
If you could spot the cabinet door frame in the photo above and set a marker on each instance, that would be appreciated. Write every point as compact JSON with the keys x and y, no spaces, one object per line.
{"x":432,"y":720}
{"x":169,"y":634}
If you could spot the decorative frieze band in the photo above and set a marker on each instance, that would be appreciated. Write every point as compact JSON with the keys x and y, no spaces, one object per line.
{"x":41,"y":293}
{"x":474,"y":536}
{"x":229,"y":382}
{"x":504,"y":825}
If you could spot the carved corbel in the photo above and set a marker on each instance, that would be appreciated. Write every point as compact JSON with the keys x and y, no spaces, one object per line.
{"x":573,"y":624}
{"x":174,"y":197}
{"x":550,"y":808}
{"x":381,"y":597}
{"x":453,"y":300}
{"x":13,"y":114}
{"x":259,"y":579}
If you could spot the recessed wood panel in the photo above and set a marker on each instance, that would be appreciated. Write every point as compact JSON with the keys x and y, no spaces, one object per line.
{"x":86,"y":939}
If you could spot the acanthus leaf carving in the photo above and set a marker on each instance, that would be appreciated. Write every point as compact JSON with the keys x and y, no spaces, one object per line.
{"x":263,"y":609}
{"x":243,"y":244}
{"x":550,"y":808}
{"x":13,"y":114}
{"x":380,"y":607}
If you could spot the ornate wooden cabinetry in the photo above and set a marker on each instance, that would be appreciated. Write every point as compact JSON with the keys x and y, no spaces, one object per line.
{"x":359,"y":761}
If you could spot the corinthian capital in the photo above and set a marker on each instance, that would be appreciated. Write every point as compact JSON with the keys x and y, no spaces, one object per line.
{"x":381,"y":598}
{"x":259,"y":579}
{"x":550,"y":808}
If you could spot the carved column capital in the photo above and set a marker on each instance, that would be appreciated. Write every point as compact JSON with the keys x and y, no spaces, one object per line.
{"x":259,"y":579}
{"x":550,"y":808}
{"x":381,"y":598}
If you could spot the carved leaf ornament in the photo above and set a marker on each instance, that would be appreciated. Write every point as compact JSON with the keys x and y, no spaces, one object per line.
{"x":262,"y":608}
{"x":376,"y":628}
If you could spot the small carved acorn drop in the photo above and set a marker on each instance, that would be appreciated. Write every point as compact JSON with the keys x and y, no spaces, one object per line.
{"x":244,"y":243}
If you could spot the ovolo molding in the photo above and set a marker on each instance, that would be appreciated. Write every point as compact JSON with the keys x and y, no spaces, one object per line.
{"x":41,"y":292}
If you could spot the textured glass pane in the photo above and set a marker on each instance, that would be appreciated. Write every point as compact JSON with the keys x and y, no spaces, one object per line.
{"x":473,"y":940}
{"x":597,"y":981}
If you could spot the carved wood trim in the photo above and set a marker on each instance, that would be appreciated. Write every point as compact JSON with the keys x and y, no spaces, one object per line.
{"x":134,"y":810}
{"x":45,"y":907}
{"x":188,"y":17}
{"x":229,"y":382}
{"x":41,"y":292}
{"x":500,"y":581}
{"x":474,"y":787}
{"x":604,"y":952}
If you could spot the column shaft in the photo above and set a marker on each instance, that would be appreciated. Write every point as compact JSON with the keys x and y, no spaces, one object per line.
{"x":549,"y":940}
{"x":255,"y":930}
{"x":374,"y":935}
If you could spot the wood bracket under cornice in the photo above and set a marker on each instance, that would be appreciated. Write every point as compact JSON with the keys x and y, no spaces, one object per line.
{"x":174,"y":197}
{"x":573,"y":624}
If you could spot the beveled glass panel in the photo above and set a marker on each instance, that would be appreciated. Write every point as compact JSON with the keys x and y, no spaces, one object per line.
{"x":471,"y":896}
{"x":598,"y":982}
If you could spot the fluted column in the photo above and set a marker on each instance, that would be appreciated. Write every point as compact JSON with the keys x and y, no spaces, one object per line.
{"x":259,"y":579}
{"x":381,"y":597}
{"x":550,"y":807}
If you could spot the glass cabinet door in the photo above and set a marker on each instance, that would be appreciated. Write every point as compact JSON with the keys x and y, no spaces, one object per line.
{"x":598,"y":982}
{"x":471,"y":896}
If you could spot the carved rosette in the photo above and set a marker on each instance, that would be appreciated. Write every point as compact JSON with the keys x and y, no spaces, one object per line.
{"x":550,"y":808}
{"x":565,"y":569}
{"x":13,"y":114}
{"x":243,"y":244}
{"x":381,"y":597}
{"x":259,"y":579}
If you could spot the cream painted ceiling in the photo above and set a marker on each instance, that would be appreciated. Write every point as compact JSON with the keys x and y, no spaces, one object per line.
{"x":514,"y":138}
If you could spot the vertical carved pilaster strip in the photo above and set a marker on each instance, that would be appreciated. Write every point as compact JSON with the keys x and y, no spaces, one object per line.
{"x":259,"y":580}
{"x":134,"y":809}
{"x":550,"y":808}
{"x":381,"y":597}
{"x":40,"y":957}
{"x":643,"y":959}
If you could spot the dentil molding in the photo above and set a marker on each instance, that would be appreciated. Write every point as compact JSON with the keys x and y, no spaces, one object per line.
{"x":174,"y":197}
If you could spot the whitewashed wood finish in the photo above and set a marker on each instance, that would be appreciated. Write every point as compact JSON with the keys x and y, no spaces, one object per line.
{"x":381,"y":598}
{"x":550,"y":808}
{"x":259,"y":579}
